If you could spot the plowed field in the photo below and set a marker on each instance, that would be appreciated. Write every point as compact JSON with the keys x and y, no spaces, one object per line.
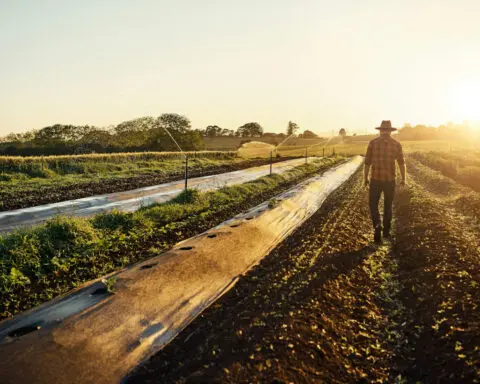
{"x":329,"y":306}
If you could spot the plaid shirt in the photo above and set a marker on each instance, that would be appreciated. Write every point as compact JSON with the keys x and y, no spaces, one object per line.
{"x":381,"y":155}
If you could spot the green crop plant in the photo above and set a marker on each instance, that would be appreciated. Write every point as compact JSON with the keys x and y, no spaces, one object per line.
{"x":44,"y":261}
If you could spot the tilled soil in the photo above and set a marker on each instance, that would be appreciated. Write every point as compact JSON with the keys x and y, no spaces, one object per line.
{"x":438,"y":253}
{"x":53,"y":193}
{"x":328,"y":306}
{"x":310,"y":312}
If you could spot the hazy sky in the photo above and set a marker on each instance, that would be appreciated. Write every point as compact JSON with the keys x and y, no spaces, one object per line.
{"x":322,"y":64}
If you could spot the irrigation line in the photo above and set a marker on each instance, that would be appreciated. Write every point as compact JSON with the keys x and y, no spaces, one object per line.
{"x":186,"y":163}
{"x":169,"y":134}
{"x":324,"y":145}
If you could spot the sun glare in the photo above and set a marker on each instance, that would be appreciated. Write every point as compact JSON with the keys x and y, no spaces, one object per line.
{"x":466,"y":101}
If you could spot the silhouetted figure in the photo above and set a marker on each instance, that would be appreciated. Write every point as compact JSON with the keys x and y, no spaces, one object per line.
{"x":381,"y":155}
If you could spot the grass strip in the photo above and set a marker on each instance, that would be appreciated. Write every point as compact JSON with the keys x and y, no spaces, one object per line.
{"x":40,"y":263}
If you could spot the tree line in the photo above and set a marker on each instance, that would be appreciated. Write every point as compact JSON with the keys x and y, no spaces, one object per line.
{"x":449,"y":131}
{"x":141,"y":134}
{"x":153,"y":134}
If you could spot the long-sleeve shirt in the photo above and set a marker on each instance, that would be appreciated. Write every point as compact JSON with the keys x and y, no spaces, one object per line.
{"x":381,"y":155}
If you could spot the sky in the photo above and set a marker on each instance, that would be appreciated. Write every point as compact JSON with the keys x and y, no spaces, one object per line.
{"x":322,"y":64}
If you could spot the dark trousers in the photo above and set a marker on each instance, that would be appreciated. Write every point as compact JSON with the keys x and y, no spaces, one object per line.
{"x":376,"y":189}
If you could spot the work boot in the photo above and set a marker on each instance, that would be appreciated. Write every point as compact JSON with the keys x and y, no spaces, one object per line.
{"x":377,"y":236}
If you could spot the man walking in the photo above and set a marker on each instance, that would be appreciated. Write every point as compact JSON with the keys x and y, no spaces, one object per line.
{"x":381,"y":155}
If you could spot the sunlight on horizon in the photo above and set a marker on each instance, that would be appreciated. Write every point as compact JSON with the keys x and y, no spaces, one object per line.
{"x":466,"y":101}
{"x":325,"y":65}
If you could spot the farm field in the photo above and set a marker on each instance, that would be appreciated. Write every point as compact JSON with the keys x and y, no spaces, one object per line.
{"x":233,"y":143}
{"x":463,"y":167}
{"x":132,"y":200}
{"x":351,"y":145}
{"x":42,"y":262}
{"x":224,"y":192}
{"x":27,"y":182}
{"x":31,"y":181}
{"x":360,"y":147}
{"x":328,"y":306}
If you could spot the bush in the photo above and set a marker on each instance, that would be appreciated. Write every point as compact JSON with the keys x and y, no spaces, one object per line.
{"x":114,"y":220}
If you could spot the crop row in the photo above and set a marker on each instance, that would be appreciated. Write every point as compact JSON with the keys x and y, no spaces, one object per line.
{"x":42,"y":262}
{"x":437,"y":251}
{"x":463,"y":168}
{"x":77,"y":163}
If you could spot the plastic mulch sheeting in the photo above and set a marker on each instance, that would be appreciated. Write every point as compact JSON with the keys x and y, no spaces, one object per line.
{"x":95,"y":336}
{"x":132,"y":200}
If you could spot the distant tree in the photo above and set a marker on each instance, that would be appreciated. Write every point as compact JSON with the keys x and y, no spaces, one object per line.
{"x":252,"y":129}
{"x":134,"y":133}
{"x":292,"y":128}
{"x":309,"y":135}
{"x":97,"y":140}
{"x":419,"y":132}
{"x":342,"y":132}
{"x":227,"y":132}
{"x":213,"y":131}
{"x":174,"y":122}
{"x":179,"y":127}
{"x":59,"y":134}
{"x":13,"y":138}
{"x":29,"y":136}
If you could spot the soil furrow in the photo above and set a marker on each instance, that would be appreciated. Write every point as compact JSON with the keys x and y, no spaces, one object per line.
{"x":438,"y":258}
{"x":461,"y":204}
{"x":313,"y":311}
{"x":327,"y":306}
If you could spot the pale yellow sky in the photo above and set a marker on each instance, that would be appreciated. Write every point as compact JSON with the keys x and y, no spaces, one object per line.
{"x":322,"y":64}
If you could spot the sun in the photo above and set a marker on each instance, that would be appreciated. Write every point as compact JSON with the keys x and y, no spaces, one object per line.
{"x":466,"y":100}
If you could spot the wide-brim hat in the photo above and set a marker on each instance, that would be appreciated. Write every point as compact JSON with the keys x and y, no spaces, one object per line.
{"x":386,"y":126}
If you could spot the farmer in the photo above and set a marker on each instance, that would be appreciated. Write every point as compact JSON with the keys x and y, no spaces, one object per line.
{"x":381,"y":155}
